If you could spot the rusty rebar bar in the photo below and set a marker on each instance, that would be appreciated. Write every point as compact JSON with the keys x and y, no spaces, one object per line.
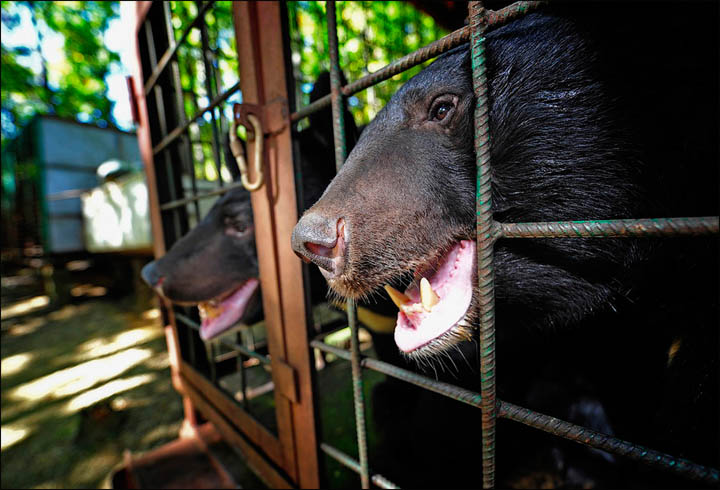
{"x":651,"y":227}
{"x":485,"y":242}
{"x":608,"y":443}
{"x":338,"y":107}
{"x":446,"y":389}
{"x":351,"y":463}
{"x":538,"y":420}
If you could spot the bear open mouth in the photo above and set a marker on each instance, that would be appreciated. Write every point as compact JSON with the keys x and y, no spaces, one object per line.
{"x":222,"y":312}
{"x":437,"y":300}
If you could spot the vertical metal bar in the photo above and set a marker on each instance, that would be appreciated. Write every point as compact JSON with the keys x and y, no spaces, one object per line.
{"x":335,"y":94}
{"x":162,"y":121}
{"x":485,"y":241}
{"x":211,"y":96}
{"x":340,"y":155}
{"x":211,"y":351}
{"x":243,"y":382}
{"x":186,"y":155}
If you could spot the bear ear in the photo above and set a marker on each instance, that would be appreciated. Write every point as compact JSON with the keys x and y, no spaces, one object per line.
{"x":230,"y":161}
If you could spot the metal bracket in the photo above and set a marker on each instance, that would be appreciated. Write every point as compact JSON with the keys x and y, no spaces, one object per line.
{"x":274,"y":116}
{"x":285,"y":380}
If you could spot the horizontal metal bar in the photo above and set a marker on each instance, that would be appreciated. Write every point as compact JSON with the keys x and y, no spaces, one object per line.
{"x":179,"y":202}
{"x":351,"y":463}
{"x":228,"y":343}
{"x":172,"y":51}
{"x":706,"y":225}
{"x":454,"y":392}
{"x":607,"y":443}
{"x":180,"y":129}
{"x":540,"y":421}
{"x":436,"y":48}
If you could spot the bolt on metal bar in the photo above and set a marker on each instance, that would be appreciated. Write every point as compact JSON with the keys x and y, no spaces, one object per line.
{"x":204,"y":195}
{"x":537,"y":420}
{"x":650,"y":227}
{"x":340,"y":155}
{"x":607,"y":443}
{"x":229,"y":343}
{"x":436,"y":48}
{"x":351,"y":463}
{"x":173,"y":135}
{"x":174,"y":46}
{"x":485,"y":241}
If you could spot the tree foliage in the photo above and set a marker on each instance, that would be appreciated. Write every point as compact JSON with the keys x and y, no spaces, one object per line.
{"x":371,"y":35}
{"x":70,"y":85}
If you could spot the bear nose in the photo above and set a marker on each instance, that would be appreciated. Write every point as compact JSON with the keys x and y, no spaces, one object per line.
{"x":321,"y":240}
{"x":151,"y":275}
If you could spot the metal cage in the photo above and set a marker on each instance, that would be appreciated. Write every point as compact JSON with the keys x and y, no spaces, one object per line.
{"x":291,"y":457}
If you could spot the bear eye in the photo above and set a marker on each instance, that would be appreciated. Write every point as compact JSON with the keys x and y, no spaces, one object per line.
{"x":441,"y":109}
{"x":234,"y":226}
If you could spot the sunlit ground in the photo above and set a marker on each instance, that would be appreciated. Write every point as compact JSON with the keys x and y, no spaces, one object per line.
{"x":79,"y":385}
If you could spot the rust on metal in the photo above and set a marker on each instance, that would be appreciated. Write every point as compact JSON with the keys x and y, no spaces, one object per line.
{"x":651,"y":227}
{"x":255,"y":459}
{"x":608,"y":443}
{"x":537,"y":420}
{"x":353,"y":464}
{"x":253,"y":430}
{"x":258,"y":31}
{"x":338,"y":109}
{"x":485,"y":242}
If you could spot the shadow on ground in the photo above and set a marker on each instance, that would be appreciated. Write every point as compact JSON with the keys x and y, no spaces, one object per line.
{"x":81,"y":383}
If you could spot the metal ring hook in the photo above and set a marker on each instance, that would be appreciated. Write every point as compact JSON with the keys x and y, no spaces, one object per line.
{"x":239,"y":153}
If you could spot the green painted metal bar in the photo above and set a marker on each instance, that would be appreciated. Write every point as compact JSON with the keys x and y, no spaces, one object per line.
{"x":351,"y":463}
{"x":485,"y":242}
{"x":338,"y":105}
{"x":651,"y":227}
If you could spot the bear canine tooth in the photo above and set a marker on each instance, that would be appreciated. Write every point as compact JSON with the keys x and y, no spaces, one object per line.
{"x":396,"y":296}
{"x":428,"y":296}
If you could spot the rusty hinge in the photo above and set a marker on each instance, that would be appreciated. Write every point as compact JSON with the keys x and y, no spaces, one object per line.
{"x":285,"y":380}
{"x":274,"y":116}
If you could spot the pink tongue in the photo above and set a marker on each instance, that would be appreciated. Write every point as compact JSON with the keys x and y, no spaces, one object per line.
{"x":232,"y":309}
{"x":454,"y":285}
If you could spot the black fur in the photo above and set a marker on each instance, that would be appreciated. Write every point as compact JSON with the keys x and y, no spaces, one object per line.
{"x":591,"y":117}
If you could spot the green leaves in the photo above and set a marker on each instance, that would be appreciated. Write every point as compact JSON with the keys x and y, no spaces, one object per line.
{"x":71,"y":80}
{"x":370,"y":34}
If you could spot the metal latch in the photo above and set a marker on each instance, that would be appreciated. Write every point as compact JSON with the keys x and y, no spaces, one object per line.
{"x":259,"y":121}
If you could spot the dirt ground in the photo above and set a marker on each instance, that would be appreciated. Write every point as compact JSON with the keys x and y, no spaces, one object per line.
{"x":87,"y":377}
{"x":81,"y":382}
